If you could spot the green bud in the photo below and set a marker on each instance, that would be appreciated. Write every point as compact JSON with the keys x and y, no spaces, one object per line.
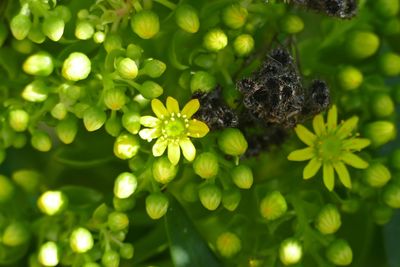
{"x":39,"y":64}
{"x":362,"y":44}
{"x":134,"y":51}
{"x":273,"y":206}
{"x":59,"y":111}
{"x":124,"y":204}
{"x":125,"y":185}
{"x":234,"y":16}
{"x":15,"y":234}
{"x":389,"y":64}
{"x":290,"y":251}
{"x":386,"y":8}
{"x":33,"y":261}
{"x":99,"y":37}
{"x":243,"y":44}
{"x":94,"y":118}
{"x":24,"y":46}
{"x":84,"y":30}
{"x":292,"y":24}
{"x":36,"y":91}
{"x":20,"y":26}
{"x":110,"y":259}
{"x":382,"y":214}
{"x":150,"y":90}
{"x":3,"y":33}
{"x":29,"y":180}
{"x":126,"y":251}
{"x":41,"y":141}
{"x":242,"y":176}
{"x":76,"y":67}
{"x":231,"y":199}
{"x":91,"y":264}
{"x":380,"y":132}
{"x":67,"y":129}
{"x":156,"y":205}
{"x":62,"y":12}
{"x":100,"y":214}
{"x":339,"y":253}
{"x":18,"y":120}
{"x":52,"y":202}
{"x":210,"y":196}
{"x":391,"y":196}
{"x":114,"y":98}
{"x":117,"y":221}
{"x":127,"y":68}
{"x":154,"y":68}
{"x":202,"y":81}
{"x":126,"y":146}
{"x":36,"y":35}
{"x":19,"y":141}
{"x":382,"y":105}
{"x":187,"y":18}
{"x":328,"y":220}
{"x":113,"y":126}
{"x":205,"y":60}
{"x":215,"y":40}
{"x":377,"y":175}
{"x":53,"y":27}
{"x":48,"y":254}
{"x":395,"y":159}
{"x":7,"y":189}
{"x":232,"y":142}
{"x":81,"y":240}
{"x":112,"y":42}
{"x":391,"y":27}
{"x":350,"y":78}
{"x":350,"y":206}
{"x":145,"y":24}
{"x":228,"y":244}
{"x":206,"y":165}
{"x":131,"y":121}
{"x":184,"y":79}
{"x":163,"y":170}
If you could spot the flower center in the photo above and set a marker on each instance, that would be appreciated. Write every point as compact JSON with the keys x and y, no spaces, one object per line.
{"x":174,"y":127}
{"x":329,"y":148}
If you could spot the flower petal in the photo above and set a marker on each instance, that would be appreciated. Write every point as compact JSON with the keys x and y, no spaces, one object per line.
{"x":188,"y":149}
{"x":332,"y":118}
{"x":191,"y":108}
{"x":174,"y":153}
{"x":329,"y":176}
{"x":319,"y":125}
{"x":305,"y":135}
{"x":301,"y":154}
{"x":159,"y":109}
{"x":149,"y":121}
{"x":197,"y":129}
{"x":159,"y":147}
{"x":354,"y":160}
{"x":311,"y":168}
{"x":355,"y":143}
{"x":172,"y":105}
{"x":347,"y":127}
{"x":343,"y":173}
{"x":149,"y":133}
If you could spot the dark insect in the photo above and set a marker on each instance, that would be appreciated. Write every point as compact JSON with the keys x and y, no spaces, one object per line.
{"x":344,"y":9}
{"x":318,"y":98}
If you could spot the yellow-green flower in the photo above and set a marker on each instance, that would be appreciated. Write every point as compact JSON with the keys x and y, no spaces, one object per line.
{"x":331,"y":147}
{"x":172,"y":128}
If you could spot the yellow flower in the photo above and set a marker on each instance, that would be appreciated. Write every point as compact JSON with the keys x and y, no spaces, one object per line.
{"x":172,"y":128}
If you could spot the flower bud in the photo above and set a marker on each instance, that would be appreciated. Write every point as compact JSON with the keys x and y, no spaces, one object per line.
{"x":94,"y":118}
{"x":154,"y":68}
{"x":27,"y":179}
{"x":228,"y":244}
{"x":290,"y":251}
{"x":391,"y":196}
{"x":328,"y":220}
{"x":76,"y":67}
{"x":20,"y":26}
{"x":156,"y":205}
{"x":187,"y":18}
{"x":234,"y":16}
{"x":7,"y":189}
{"x":215,"y":40}
{"x":339,"y":252}
{"x":39,"y":64}
{"x":386,"y":8}
{"x":36,"y":35}
{"x":134,"y":51}
{"x":382,"y":105}
{"x":127,"y":68}
{"x":24,"y":46}
{"x":53,"y":27}
{"x":15,"y":234}
{"x":41,"y":141}
{"x":110,"y":258}
{"x":100,"y":214}
{"x":150,"y":90}
{"x":184,"y":79}
{"x":210,"y":196}
{"x":243,"y":44}
{"x":145,"y":24}
{"x":391,"y":27}
{"x":114,"y":98}
{"x":380,"y":132}
{"x":99,"y":37}
{"x":163,"y":170}
{"x":91,"y":264}
{"x":382,"y":214}
{"x":112,"y":42}
{"x":124,"y":204}
{"x":18,"y":120}
{"x":19,"y":141}
{"x":389,"y":64}
{"x":126,"y":146}
{"x":36,"y":91}
{"x":125,"y":185}
{"x":205,"y":60}
{"x":48,"y":254}
{"x":362,"y":44}
{"x":242,"y":176}
{"x":59,"y":111}
{"x":81,"y":240}
{"x":350,"y":205}
{"x":202,"y":81}
{"x":350,"y":78}
{"x":84,"y":30}
{"x":113,"y":126}
{"x":62,"y":12}
{"x":67,"y":129}
{"x":231,"y":199}
{"x":206,"y":165}
{"x":292,"y":24}
{"x":126,"y":251}
{"x":131,"y":121}
{"x":377,"y":175}
{"x":117,"y":221}
{"x":273,"y":206}
{"x":52,"y":202}
{"x":232,"y":142}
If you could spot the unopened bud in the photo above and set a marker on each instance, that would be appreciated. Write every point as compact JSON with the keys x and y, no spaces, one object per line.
{"x":380,"y":132}
{"x":81,"y":240}
{"x":94,"y":118}
{"x":234,"y":16}
{"x":215,"y":40}
{"x":187,"y":18}
{"x":52,"y":202}
{"x":156,"y":205}
{"x":84,"y":30}
{"x":41,"y":141}
{"x":114,"y":98}
{"x":150,"y":90}
{"x":243,"y":44}
{"x":59,"y":111}
{"x":15,"y":234}
{"x":232,"y":142}
{"x":228,"y":244}
{"x":36,"y":91}
{"x":163,"y":170}
{"x":290,"y":251}
{"x":210,"y":196}
{"x":377,"y":175}
{"x":113,"y":126}
{"x":53,"y":27}
{"x":382,"y":105}
{"x":27,"y":179}
{"x":231,"y":199}
{"x":391,"y":195}
{"x":67,"y":129}
{"x":134,"y":51}
{"x":126,"y":146}
{"x":350,"y":78}
{"x":117,"y":221}
{"x":76,"y":67}
{"x":39,"y":64}
{"x":382,"y":214}
{"x":242,"y":176}
{"x":125,"y":185}
{"x":110,"y":258}
{"x":362,"y":44}
{"x":7,"y":189}
{"x":339,"y":253}
{"x":145,"y":24}
{"x":48,"y":254}
{"x":20,"y":26}
{"x":127,"y":68}
{"x":18,"y":120}
{"x":202,"y":81}
{"x":154,"y":68}
{"x":206,"y":165}
{"x":328,"y":220}
{"x":126,"y":251}
{"x":131,"y":121}
{"x":292,"y":24}
{"x":273,"y":206}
